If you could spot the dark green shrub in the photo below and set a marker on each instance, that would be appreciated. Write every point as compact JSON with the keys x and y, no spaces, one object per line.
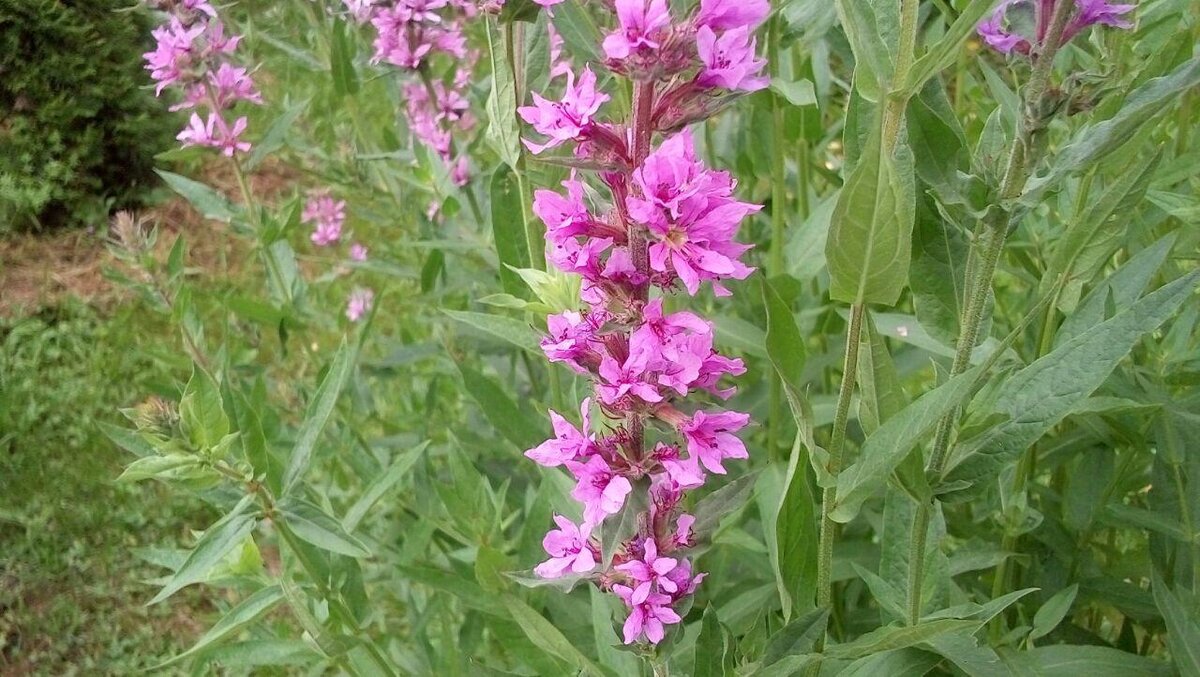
{"x":78,"y":127}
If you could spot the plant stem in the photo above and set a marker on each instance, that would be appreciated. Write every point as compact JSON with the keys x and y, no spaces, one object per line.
{"x":778,"y":224}
{"x":990,"y":235}
{"x":514,"y":34}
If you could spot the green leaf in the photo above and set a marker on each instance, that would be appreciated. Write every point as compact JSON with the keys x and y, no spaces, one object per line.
{"x":397,"y":471}
{"x":314,"y":525}
{"x":319,"y":410}
{"x":796,"y":638}
{"x":508,"y":230}
{"x":621,"y":527}
{"x":1092,"y":661}
{"x":891,"y":638}
{"x":796,"y":92}
{"x":127,"y":439}
{"x":169,"y":465}
{"x":883,"y":451}
{"x":948,"y":47}
{"x":1043,"y":393}
{"x":1183,"y":630}
{"x":275,"y":135}
{"x":1150,"y":99}
{"x":243,"y":614}
{"x":712,"y":646}
{"x":783,"y":343}
{"x":547,"y":637}
{"x":871,"y":229}
{"x":1050,"y":614}
{"x":786,"y":502}
{"x":201,"y":417}
{"x":516,"y":332}
{"x":872,"y":61}
{"x":622,"y":662}
{"x":908,"y":662}
{"x":210,"y":203}
{"x":218,"y":541}
{"x":712,"y":508}
{"x":880,"y":394}
{"x":341,"y":60}
{"x":267,"y":652}
{"x":579,"y":31}
{"x":514,"y":423}
{"x":503,"y":133}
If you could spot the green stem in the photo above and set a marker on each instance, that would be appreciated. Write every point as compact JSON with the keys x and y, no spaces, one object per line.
{"x":778,"y":207}
{"x":514,"y":35}
{"x":990,"y":236}
{"x":837,"y":444}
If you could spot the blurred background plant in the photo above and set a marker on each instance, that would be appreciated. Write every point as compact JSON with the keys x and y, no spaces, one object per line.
{"x":78,"y":130}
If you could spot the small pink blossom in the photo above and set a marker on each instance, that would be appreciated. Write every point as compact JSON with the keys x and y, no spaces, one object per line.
{"x":651,"y":569}
{"x":648,"y":613}
{"x":359,"y":303}
{"x":358,"y":252}
{"x":569,"y":119}
{"x":723,"y":15}
{"x":230,"y":84}
{"x":327,"y":217}
{"x":626,"y":378}
{"x":710,"y":437}
{"x":601,"y":491}
{"x":641,"y":24}
{"x":729,"y":60}
{"x":568,"y":443}
{"x":568,"y":548}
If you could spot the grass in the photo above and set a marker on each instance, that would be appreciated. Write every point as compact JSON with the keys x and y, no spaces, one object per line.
{"x":72,"y":590}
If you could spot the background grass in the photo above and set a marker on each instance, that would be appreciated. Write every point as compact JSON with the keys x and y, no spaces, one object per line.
{"x":72,"y":588}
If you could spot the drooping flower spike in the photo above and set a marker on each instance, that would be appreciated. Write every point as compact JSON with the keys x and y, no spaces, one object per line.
{"x":669,"y":226}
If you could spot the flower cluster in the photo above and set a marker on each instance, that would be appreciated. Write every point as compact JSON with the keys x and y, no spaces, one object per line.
{"x":409,"y":34}
{"x":669,"y":227}
{"x":327,"y":216}
{"x":1020,"y":25}
{"x":193,"y":54}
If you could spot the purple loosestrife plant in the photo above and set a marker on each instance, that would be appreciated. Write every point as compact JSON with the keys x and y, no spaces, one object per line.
{"x":1021,"y":25}
{"x":410,"y":35}
{"x":193,"y":54}
{"x":669,"y":228}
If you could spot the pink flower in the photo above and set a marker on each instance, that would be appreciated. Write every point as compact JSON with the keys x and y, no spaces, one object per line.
{"x":994,"y":34}
{"x":1093,"y":12}
{"x":359,"y":303}
{"x":568,"y":442}
{"x":601,"y":491}
{"x":570,"y":339}
{"x":327,"y":216}
{"x":568,"y":548}
{"x":681,"y":576}
{"x":627,"y":378}
{"x":651,"y":569}
{"x":710,"y":437}
{"x":683,"y":531}
{"x":229,"y":84}
{"x":565,"y":217}
{"x":215,"y":133}
{"x":201,"y":6}
{"x":648,"y":612}
{"x":570,"y":119}
{"x":641,"y":23}
{"x":727,"y":14}
{"x":358,"y":252}
{"x":657,"y":329}
{"x":173,"y":52}
{"x":361,"y":10}
{"x":729,"y":60}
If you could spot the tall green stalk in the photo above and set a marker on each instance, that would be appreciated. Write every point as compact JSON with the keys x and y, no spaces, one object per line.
{"x":988,"y":243}
{"x":893,"y":115}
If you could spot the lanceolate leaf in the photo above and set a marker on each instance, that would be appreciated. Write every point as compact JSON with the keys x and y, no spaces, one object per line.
{"x":502,"y":412}
{"x":210,"y":203}
{"x":381,"y":485}
{"x":319,"y":528}
{"x":503,"y":133}
{"x":946,"y":49}
{"x":884,"y":450}
{"x":243,"y":614}
{"x":217,"y":542}
{"x":547,"y":637}
{"x":898,"y":637}
{"x":320,"y":408}
{"x":508,"y":231}
{"x":798,"y":637}
{"x":516,"y":332}
{"x":872,"y":60}
{"x":1183,"y":629}
{"x":871,"y":229}
{"x":1040,"y":395}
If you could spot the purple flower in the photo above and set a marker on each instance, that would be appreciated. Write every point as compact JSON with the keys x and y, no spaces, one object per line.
{"x":1092,"y":12}
{"x":681,"y":576}
{"x":215,"y":133}
{"x":565,"y":217}
{"x":729,"y":60}
{"x":626,"y":378}
{"x":651,"y":569}
{"x":173,"y":52}
{"x":710,"y":438}
{"x":570,"y":339}
{"x":358,"y":252}
{"x":601,"y":491}
{"x":994,"y":34}
{"x":568,"y":442}
{"x":640,"y":24}
{"x":568,"y":549}
{"x":727,"y":14}
{"x":229,"y":84}
{"x":359,"y":303}
{"x":569,"y":119}
{"x":648,"y":613}
{"x":361,"y":10}
{"x":327,"y":216}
